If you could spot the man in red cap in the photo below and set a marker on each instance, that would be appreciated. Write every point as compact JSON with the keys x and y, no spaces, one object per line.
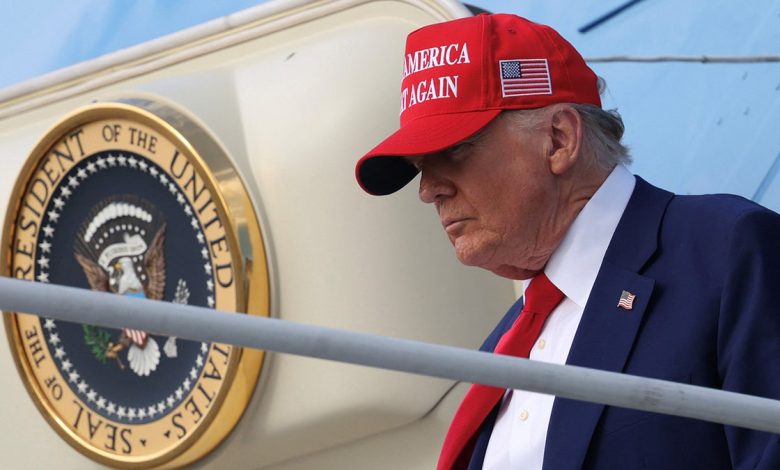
{"x":502,"y":118}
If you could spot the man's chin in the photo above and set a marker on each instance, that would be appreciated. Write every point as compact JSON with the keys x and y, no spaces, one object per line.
{"x":470,"y":257}
{"x":478,"y":255}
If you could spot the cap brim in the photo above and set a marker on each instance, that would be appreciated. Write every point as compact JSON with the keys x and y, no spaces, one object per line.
{"x":383,"y":170}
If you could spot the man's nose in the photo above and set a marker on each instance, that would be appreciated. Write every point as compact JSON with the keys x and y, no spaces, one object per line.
{"x":434,"y":186}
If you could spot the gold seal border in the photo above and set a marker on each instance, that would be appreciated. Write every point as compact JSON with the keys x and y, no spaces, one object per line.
{"x":248,"y":257}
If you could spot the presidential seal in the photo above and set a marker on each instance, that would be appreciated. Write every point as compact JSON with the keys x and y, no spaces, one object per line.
{"x":133,"y":198}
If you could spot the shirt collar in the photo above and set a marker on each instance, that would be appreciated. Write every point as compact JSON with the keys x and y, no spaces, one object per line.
{"x":574,"y":265}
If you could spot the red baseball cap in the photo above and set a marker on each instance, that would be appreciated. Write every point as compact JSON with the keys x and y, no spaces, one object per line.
{"x":459,"y":75}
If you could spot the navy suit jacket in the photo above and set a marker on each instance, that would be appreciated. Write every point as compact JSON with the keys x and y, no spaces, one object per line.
{"x":706,"y":272}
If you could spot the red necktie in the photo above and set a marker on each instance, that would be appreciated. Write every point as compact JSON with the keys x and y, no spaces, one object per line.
{"x":540,"y":299}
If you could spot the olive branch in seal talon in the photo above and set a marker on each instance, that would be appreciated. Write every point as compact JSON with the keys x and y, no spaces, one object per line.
{"x":99,"y":342}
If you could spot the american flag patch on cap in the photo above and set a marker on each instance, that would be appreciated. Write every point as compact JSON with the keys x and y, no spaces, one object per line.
{"x":524,"y":77}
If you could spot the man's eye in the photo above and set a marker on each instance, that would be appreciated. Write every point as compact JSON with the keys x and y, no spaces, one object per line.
{"x":459,"y":151}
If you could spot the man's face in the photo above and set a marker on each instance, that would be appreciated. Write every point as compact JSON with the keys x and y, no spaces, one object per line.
{"x":496,"y":198}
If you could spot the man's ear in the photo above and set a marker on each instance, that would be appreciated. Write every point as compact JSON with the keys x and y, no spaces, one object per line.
{"x":566,"y":136}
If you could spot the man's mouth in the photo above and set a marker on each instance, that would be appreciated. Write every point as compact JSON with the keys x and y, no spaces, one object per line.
{"x":451,"y":224}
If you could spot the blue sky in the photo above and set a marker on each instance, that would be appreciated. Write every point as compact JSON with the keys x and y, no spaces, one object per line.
{"x":44,"y":35}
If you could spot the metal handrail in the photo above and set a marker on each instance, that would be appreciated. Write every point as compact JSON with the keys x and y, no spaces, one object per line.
{"x":202,"y":324}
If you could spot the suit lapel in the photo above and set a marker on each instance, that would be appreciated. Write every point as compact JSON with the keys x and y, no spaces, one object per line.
{"x":607,"y":332}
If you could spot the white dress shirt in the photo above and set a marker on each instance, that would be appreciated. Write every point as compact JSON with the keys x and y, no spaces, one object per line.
{"x":520,"y":431}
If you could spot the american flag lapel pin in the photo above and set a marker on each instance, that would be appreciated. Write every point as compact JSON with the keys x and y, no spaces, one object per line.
{"x":626,"y":301}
